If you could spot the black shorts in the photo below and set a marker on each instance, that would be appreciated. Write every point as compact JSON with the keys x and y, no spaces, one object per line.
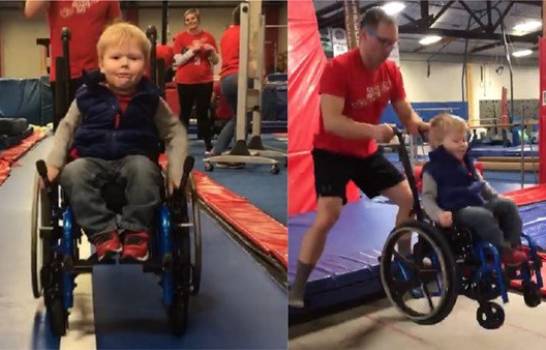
{"x":372,"y":174}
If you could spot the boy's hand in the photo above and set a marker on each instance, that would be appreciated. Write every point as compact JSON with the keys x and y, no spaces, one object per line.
{"x":383,"y":133}
{"x":476,"y":187}
{"x":52,"y":173}
{"x":445,"y":219}
{"x":171,"y":186}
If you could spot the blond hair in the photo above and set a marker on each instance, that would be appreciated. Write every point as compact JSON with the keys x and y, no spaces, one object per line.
{"x":443,"y":124}
{"x":121,"y":33}
{"x":193,"y":11}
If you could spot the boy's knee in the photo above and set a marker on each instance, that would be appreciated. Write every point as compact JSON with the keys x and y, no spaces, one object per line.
{"x":507,"y":205}
{"x":76,"y":171}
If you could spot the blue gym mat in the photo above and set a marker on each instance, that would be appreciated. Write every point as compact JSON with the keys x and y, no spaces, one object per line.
{"x":500,"y":151}
{"x":349,"y":267}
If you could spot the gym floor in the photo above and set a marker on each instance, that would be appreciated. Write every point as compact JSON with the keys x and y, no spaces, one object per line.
{"x":119,"y":307}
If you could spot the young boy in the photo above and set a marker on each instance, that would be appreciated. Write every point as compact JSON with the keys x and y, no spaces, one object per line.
{"x":454,"y":192}
{"x":113,"y":130}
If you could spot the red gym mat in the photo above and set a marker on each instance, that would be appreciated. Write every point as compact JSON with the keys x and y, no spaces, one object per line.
{"x":266,"y":233}
{"x":10,"y":155}
{"x":528,"y":195}
{"x":261,"y":229}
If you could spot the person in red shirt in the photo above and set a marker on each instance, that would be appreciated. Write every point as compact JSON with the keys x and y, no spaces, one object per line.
{"x":195,"y":56}
{"x":86,"y":21}
{"x":229,"y":49}
{"x":355,"y":88}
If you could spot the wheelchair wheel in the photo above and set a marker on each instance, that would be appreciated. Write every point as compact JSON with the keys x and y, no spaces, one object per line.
{"x":58,"y":317}
{"x":531,"y":294}
{"x":178,"y":314}
{"x":421,"y":282}
{"x":178,"y":310}
{"x":40,"y":217}
{"x":490,"y":315}
{"x":196,"y":247}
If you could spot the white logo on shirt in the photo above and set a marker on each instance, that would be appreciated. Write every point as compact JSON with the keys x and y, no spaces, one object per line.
{"x":78,"y":7}
{"x":373,"y":94}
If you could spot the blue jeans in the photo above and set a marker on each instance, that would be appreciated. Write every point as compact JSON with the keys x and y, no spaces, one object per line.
{"x":83,"y":180}
{"x":228,"y":86}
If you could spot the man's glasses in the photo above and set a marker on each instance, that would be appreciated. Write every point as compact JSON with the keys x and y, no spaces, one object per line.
{"x":383,"y":41}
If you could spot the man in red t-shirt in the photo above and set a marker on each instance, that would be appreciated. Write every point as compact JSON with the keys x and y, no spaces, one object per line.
{"x":355,"y":88}
{"x":86,"y":21}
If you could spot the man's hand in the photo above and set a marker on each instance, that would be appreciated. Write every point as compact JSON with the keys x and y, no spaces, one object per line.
{"x":418,"y":127}
{"x":383,"y":133}
{"x":445,"y":219}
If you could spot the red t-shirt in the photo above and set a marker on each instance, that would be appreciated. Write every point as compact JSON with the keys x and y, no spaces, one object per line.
{"x":86,"y":21}
{"x":229,"y":47}
{"x":366,"y":95}
{"x":196,"y":70}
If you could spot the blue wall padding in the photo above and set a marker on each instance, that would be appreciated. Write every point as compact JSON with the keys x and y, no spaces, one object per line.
{"x":427,"y":110}
{"x":27,"y":98}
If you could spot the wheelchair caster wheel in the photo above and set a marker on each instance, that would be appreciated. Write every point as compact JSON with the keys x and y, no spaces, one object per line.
{"x":208,"y":166}
{"x":275,"y":169}
{"x":532,"y":295}
{"x":57,"y":317}
{"x":490,"y":315}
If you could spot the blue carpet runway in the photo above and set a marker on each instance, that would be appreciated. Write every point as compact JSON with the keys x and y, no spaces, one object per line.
{"x":240,"y":306}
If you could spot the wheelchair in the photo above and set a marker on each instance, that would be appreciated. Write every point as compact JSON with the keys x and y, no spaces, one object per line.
{"x":175,"y":249}
{"x":424,"y":268}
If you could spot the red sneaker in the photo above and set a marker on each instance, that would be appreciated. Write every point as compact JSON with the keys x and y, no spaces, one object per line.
{"x":135,"y":246}
{"x":514,"y":257}
{"x":107,"y":245}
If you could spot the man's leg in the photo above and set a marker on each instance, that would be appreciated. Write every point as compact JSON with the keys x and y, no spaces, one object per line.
{"x":312,"y":245}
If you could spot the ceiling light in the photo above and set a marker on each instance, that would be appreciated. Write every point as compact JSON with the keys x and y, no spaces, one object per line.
{"x":393,"y":8}
{"x":430,"y":39}
{"x":522,"y":53}
{"x":528,"y":26}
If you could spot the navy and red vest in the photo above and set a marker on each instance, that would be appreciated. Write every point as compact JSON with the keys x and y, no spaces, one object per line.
{"x":453,"y":179}
{"x":107,"y":133}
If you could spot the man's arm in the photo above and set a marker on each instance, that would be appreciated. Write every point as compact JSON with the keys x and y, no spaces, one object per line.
{"x":337,"y":123}
{"x":408,"y":117}
{"x":32,"y":7}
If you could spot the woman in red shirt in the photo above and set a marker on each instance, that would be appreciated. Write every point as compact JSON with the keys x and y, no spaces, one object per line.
{"x":195,"y":56}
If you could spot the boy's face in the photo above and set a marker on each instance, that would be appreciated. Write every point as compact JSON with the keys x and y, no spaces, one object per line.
{"x":455,"y":143}
{"x":123,"y":66}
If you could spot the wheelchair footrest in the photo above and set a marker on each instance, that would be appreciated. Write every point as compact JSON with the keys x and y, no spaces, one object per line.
{"x":518,"y":284}
{"x":86,"y":266}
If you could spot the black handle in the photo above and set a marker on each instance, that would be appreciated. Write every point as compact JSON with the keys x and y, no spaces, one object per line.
{"x":42,"y":171}
{"x":65,"y":34}
{"x":188,"y":166}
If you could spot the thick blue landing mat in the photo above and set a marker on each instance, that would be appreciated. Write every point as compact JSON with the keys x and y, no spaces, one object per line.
{"x":500,"y":151}
{"x":350,"y":259}
{"x":534,"y":222}
{"x":349,"y":267}
{"x":239,"y":305}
